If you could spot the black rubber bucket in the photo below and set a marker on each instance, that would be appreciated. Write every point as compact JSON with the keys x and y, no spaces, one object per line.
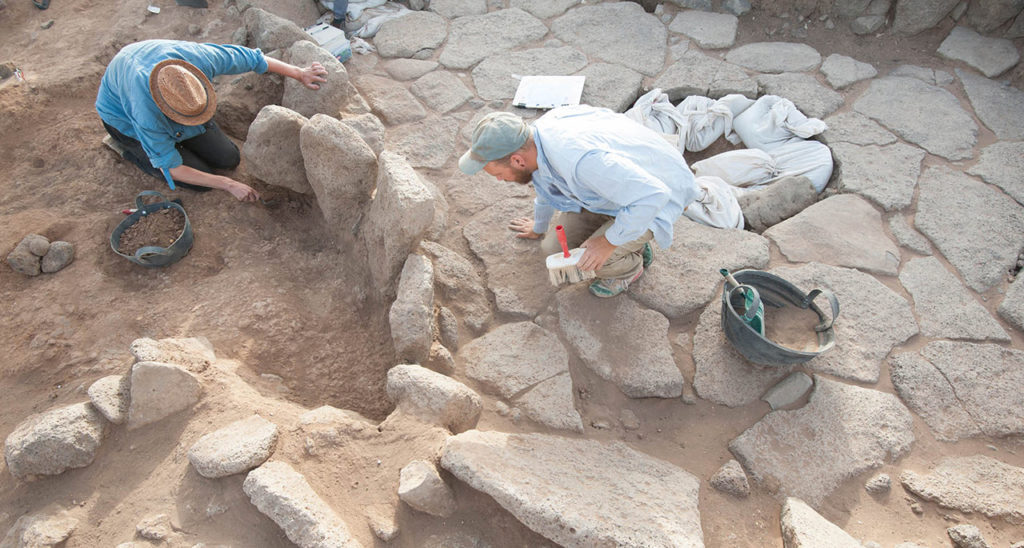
{"x":154,"y":256}
{"x":773,"y":292}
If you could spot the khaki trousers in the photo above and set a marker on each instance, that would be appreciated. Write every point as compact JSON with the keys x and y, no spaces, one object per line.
{"x":625,"y":262}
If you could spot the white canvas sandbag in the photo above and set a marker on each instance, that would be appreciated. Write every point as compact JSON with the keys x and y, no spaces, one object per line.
{"x":811,"y":159}
{"x":370,"y":19}
{"x":716,"y":206}
{"x":703,"y":122}
{"x":740,"y":168}
{"x":773,"y":121}
{"x":654,"y":110}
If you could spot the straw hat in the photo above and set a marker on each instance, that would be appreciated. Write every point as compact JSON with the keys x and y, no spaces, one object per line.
{"x":183,"y":93}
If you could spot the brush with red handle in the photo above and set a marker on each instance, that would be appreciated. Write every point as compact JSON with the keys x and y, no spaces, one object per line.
{"x":562,"y":267}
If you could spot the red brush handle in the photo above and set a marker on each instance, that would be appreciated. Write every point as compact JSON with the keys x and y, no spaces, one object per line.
{"x":560,"y":231}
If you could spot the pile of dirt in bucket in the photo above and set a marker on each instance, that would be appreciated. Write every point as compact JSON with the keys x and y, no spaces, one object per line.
{"x":160,"y":229}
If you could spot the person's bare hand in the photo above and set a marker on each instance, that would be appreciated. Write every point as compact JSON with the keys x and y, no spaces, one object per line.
{"x":243,"y":192}
{"x":312,"y":75}
{"x":597,"y":252}
{"x":523,"y":226}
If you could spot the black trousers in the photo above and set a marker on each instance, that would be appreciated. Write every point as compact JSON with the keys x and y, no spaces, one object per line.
{"x":206,"y":152}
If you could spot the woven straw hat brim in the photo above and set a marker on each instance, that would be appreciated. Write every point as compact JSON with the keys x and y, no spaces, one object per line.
{"x":198,"y":119}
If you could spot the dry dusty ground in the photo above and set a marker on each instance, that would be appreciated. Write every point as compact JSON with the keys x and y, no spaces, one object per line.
{"x":270,"y":289}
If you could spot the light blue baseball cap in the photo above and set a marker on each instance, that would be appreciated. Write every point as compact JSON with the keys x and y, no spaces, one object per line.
{"x":496,"y":136}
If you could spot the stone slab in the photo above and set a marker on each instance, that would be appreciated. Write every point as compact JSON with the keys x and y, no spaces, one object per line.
{"x":990,"y":56}
{"x":775,"y":57}
{"x":999,"y":106}
{"x":708,"y":30}
{"x":886,"y":175}
{"x":1001,"y":164}
{"x":620,"y":33}
{"x":974,"y":484}
{"x":473,"y":38}
{"x":841,"y":71}
{"x":812,"y":98}
{"x":944,"y":307}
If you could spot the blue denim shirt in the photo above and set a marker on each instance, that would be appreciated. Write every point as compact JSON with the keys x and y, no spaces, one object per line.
{"x":124,"y":101}
{"x":595,"y":159}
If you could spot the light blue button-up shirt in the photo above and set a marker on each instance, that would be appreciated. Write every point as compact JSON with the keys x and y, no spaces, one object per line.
{"x":125,"y":103}
{"x":592,"y":158}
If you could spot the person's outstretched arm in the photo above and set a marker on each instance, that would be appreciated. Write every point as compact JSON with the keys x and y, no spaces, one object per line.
{"x":310,"y":76}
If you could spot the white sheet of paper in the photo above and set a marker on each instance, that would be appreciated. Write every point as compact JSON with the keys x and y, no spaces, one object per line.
{"x":549,"y":91}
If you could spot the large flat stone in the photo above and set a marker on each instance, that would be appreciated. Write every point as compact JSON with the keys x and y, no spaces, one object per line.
{"x":460,"y":286}
{"x":802,"y":527}
{"x":856,"y":129}
{"x":638,"y":360}
{"x":843,"y":431}
{"x":775,"y":57}
{"x":886,"y":175}
{"x":1012,"y":307}
{"x":159,"y":390}
{"x":975,"y":484}
{"x":914,"y":16}
{"x":722,"y":374}
{"x":513,"y":358}
{"x":999,"y":106}
{"x":450,"y":9}
{"x":441,"y":90}
{"x":812,"y":98}
{"x":610,"y":86}
{"x":963,"y":389}
{"x":925,"y":115}
{"x":990,"y":56}
{"x":685,"y":277}
{"x":1001,"y":164}
{"x":844,"y":230}
{"x":872,"y":319}
{"x":698,"y":74}
{"x":544,"y":9}
{"x":620,"y":33}
{"x":414,"y":35}
{"x":550,"y":403}
{"x":580,"y":493}
{"x":981,"y":247}
{"x":390,"y":101}
{"x":497,"y":76}
{"x":51,"y":442}
{"x":944,"y":307}
{"x":516,"y":273}
{"x":473,"y":38}
{"x":708,"y":30}
{"x":428,"y":143}
{"x":841,"y":71}
{"x":235,"y":448}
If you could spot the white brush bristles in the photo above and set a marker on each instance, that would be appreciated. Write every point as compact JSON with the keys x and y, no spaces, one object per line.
{"x":563,"y":269}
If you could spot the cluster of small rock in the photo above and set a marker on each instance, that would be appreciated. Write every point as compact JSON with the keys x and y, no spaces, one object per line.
{"x":36,"y":254}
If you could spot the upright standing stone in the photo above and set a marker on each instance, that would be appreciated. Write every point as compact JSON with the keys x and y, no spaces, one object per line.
{"x":914,"y":16}
{"x":421,"y":487}
{"x":159,"y":390}
{"x":433,"y":397}
{"x":802,"y":527}
{"x":411,"y":315}
{"x":330,"y":97}
{"x":272,"y":151}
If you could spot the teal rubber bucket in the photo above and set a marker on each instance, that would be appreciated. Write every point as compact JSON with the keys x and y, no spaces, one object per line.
{"x":154,"y":256}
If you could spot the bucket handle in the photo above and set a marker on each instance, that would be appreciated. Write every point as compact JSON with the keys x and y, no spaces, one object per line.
{"x":751,"y":311}
{"x":138,"y":199}
{"x":824,"y":325}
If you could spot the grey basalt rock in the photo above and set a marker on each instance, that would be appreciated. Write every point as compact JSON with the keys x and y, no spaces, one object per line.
{"x":40,"y":530}
{"x":620,"y":33}
{"x":788,"y":390}
{"x":109,"y":395}
{"x":966,"y":535}
{"x":268,"y":32}
{"x":544,"y":9}
{"x":459,"y":284}
{"x":159,"y":390}
{"x":908,"y":237}
{"x":390,"y":101}
{"x":999,"y":106}
{"x":272,"y":152}
{"x":973,"y":484}
{"x":927,"y":75}
{"x":428,"y":143}
{"x":59,"y":255}
{"x":842,"y":71}
{"x":450,"y":9}
{"x":580,"y":493}
{"x":610,"y":86}
{"x":769,"y":206}
{"x":707,"y":30}
{"x":341,"y":169}
{"x":807,"y":455}
{"x":284,"y":495}
{"x":550,"y":402}
{"x":886,"y":175}
{"x":981,"y":247}
{"x":914,"y":16}
{"x":399,"y":216}
{"x":473,"y":38}
{"x":37,"y":244}
{"x":513,"y":358}
{"x":844,"y":230}
{"x":698,"y":74}
{"x":496,"y":76}
{"x":775,"y":57}
{"x":49,"y":443}
{"x":812,"y":98}
{"x":331,"y":97}
{"x":963,"y":389}
{"x":944,"y":307}
{"x":895,"y":101}
{"x":194,"y":354}
{"x":421,"y":487}
{"x":685,"y":277}
{"x":872,"y":320}
{"x":722,"y":374}
{"x":411,"y":315}
{"x":370,"y":128}
{"x":802,"y":527}
{"x":441,"y":90}
{"x":416,"y":35}
{"x":867,"y":24}
{"x":990,"y":56}
{"x":433,"y":397}
{"x":447,"y":326}
{"x":639,"y":362}
{"x":988,"y":16}
{"x":879,"y":484}
{"x":856,"y":129}
{"x":1001,"y":164}
{"x":235,"y":448}
{"x":409,"y":69}
{"x":1012,"y":307}
{"x":731,"y":479}
{"x":23,"y":261}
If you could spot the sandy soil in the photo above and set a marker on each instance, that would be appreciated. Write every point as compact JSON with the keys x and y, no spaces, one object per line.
{"x":270,"y":289}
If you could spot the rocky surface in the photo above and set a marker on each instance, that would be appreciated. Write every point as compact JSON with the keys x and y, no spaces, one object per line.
{"x":40,"y":530}
{"x":433,"y":397}
{"x":421,"y":487}
{"x":945,"y":309}
{"x":990,"y":56}
{"x":412,"y":314}
{"x":235,"y":448}
{"x":54,"y":441}
{"x":109,"y":395}
{"x":277,"y":128}
{"x":802,"y":527}
{"x":997,"y":105}
{"x":998,"y":164}
{"x":886,"y":175}
{"x":731,"y":478}
{"x":974,"y":484}
{"x":150,"y":398}
{"x":580,"y":492}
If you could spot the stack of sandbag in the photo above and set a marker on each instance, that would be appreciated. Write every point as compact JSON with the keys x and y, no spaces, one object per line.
{"x":698,"y":121}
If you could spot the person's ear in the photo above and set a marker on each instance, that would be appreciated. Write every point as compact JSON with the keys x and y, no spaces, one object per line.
{"x":517,"y":161}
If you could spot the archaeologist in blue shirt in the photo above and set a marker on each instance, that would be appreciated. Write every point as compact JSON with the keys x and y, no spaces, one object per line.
{"x":157,"y":102}
{"x":617,"y":181}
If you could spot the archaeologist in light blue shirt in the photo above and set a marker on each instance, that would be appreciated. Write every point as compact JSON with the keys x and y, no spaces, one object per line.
{"x":582,"y":159}
{"x":157,"y":103}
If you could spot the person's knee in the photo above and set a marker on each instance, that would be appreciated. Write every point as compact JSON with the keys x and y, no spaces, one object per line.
{"x":229,"y":158}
